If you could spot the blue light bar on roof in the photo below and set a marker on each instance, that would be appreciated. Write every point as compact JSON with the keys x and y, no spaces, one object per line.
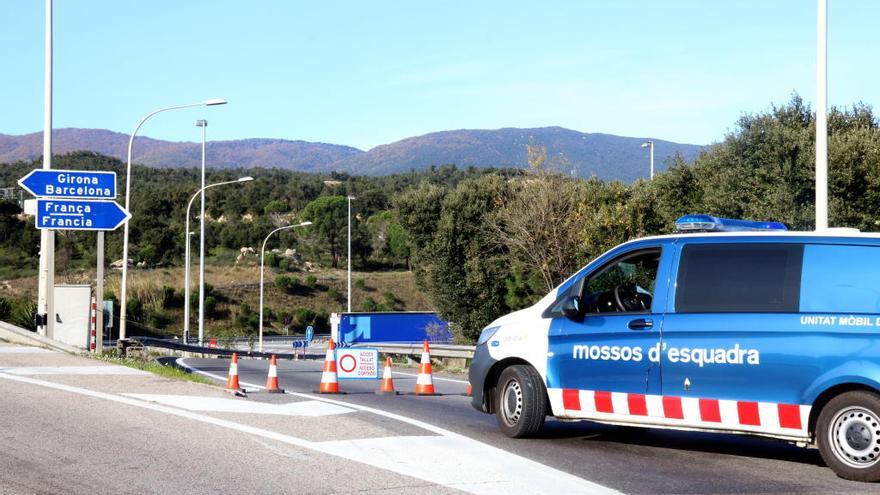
{"x":708,"y":223}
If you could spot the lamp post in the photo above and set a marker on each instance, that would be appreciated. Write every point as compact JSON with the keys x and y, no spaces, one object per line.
{"x":822,"y":115}
{"x":204,"y":125}
{"x":186,"y":283}
{"x":349,"y":198}
{"x":123,"y":302}
{"x":262,"y":258}
{"x":650,"y":144}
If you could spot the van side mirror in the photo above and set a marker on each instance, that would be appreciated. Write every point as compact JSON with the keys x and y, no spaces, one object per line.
{"x":572,"y":308}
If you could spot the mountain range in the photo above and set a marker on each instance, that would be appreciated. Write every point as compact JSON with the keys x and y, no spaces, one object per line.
{"x":607,"y":156}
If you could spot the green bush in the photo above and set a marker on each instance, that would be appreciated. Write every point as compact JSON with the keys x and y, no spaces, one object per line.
{"x":284,"y":264}
{"x":5,"y":309}
{"x":360,"y":283}
{"x":369,"y":305}
{"x":391,"y":301}
{"x":271,"y":259}
{"x":311,"y":281}
{"x":304,"y":316}
{"x":333,"y":292}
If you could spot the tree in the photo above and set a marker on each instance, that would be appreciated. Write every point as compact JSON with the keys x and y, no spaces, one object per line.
{"x":538,"y":225}
{"x":329,"y":214}
{"x":463,"y":270}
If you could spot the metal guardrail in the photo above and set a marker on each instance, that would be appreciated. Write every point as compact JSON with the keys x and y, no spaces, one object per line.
{"x":410,"y":349}
{"x":437,"y":350}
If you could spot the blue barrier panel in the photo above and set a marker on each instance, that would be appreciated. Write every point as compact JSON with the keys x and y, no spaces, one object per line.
{"x":393,"y":327}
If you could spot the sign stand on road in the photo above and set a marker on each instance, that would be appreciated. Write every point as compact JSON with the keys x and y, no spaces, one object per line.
{"x":73,"y":200}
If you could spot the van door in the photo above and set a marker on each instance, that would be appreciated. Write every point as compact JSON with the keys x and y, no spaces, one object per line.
{"x":607,"y":350}
{"x":732,"y":336}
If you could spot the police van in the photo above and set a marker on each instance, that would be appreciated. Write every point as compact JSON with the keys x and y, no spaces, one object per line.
{"x":728,"y":326}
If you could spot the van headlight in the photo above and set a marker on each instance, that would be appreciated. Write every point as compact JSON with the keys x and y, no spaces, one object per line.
{"x":486,"y":334}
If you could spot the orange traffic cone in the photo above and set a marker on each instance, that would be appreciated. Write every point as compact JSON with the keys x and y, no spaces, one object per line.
{"x":424,"y":381}
{"x":272,"y":380}
{"x":232,"y":382}
{"x":387,"y":386}
{"x":329,"y":381}
{"x":470,"y":391}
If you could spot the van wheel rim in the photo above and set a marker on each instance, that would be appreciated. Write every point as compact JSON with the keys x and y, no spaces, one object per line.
{"x":855,"y":437}
{"x":512,"y":402}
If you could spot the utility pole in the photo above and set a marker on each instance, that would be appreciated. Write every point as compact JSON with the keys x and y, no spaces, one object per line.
{"x":204,"y":125}
{"x":349,"y":251}
{"x":45,"y":304}
{"x":822,"y":115}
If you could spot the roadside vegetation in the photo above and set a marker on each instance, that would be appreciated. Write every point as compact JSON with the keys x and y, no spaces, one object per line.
{"x":472,"y":244}
{"x":151,"y":365}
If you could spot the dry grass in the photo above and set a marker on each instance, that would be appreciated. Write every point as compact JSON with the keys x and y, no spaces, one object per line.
{"x":240,"y":284}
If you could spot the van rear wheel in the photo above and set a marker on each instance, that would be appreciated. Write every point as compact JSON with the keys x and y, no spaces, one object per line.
{"x":848,"y":434}
{"x":520,"y":401}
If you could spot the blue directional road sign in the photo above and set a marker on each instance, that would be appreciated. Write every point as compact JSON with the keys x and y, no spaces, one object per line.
{"x":77,"y":184}
{"x":73,"y":214}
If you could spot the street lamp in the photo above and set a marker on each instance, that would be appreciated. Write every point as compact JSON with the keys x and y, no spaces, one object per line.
{"x":650,"y":144}
{"x":349,"y":198}
{"x":186,"y":283}
{"x":124,"y":285}
{"x":262,"y":258}
{"x":204,"y":125}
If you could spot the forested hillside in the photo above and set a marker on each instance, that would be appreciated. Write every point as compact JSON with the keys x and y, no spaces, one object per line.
{"x":483,"y":242}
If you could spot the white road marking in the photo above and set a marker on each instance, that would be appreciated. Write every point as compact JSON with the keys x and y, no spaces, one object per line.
{"x":14,"y":349}
{"x":450,"y":459}
{"x":217,"y":404}
{"x":73,"y":370}
{"x":435,"y":377}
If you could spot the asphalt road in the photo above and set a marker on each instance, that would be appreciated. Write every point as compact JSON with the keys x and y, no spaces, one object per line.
{"x":631,"y":460}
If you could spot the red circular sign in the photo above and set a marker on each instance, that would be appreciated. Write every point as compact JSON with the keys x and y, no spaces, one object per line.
{"x":343,"y":359}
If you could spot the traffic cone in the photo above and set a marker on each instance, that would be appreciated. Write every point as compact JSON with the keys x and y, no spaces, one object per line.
{"x":424,"y":381}
{"x":387,"y":386}
{"x":470,"y":391}
{"x":272,"y":380}
{"x":329,"y":381}
{"x":212,"y":343}
{"x":232,"y":382}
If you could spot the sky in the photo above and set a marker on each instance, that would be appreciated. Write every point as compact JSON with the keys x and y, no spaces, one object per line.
{"x":365,"y":73}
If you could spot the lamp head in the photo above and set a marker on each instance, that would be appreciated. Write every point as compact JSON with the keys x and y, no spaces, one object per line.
{"x":245,"y":179}
{"x":303,"y":224}
{"x":215,"y":101}
{"x":201,"y":123}
{"x":647,"y":144}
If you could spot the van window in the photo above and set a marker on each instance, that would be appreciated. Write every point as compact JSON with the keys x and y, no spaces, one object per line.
{"x":739,"y":278}
{"x":841,"y":279}
{"x":626,"y":285}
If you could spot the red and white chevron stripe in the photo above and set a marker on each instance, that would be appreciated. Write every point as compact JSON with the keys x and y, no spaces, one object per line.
{"x":783,"y":420}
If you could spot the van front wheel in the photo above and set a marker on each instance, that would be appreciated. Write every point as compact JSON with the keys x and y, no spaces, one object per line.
{"x":848,"y":434}
{"x":520,"y":401}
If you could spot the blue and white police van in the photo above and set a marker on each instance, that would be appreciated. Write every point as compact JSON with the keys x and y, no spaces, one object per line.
{"x":727,"y":326}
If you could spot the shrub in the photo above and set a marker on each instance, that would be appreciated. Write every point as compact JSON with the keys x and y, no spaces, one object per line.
{"x":282,"y":282}
{"x":360,"y":283}
{"x":369,"y":305}
{"x":391,"y":301}
{"x":284,"y":264}
{"x":311,"y":281}
{"x":333,"y":292}
{"x":304,"y":316}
